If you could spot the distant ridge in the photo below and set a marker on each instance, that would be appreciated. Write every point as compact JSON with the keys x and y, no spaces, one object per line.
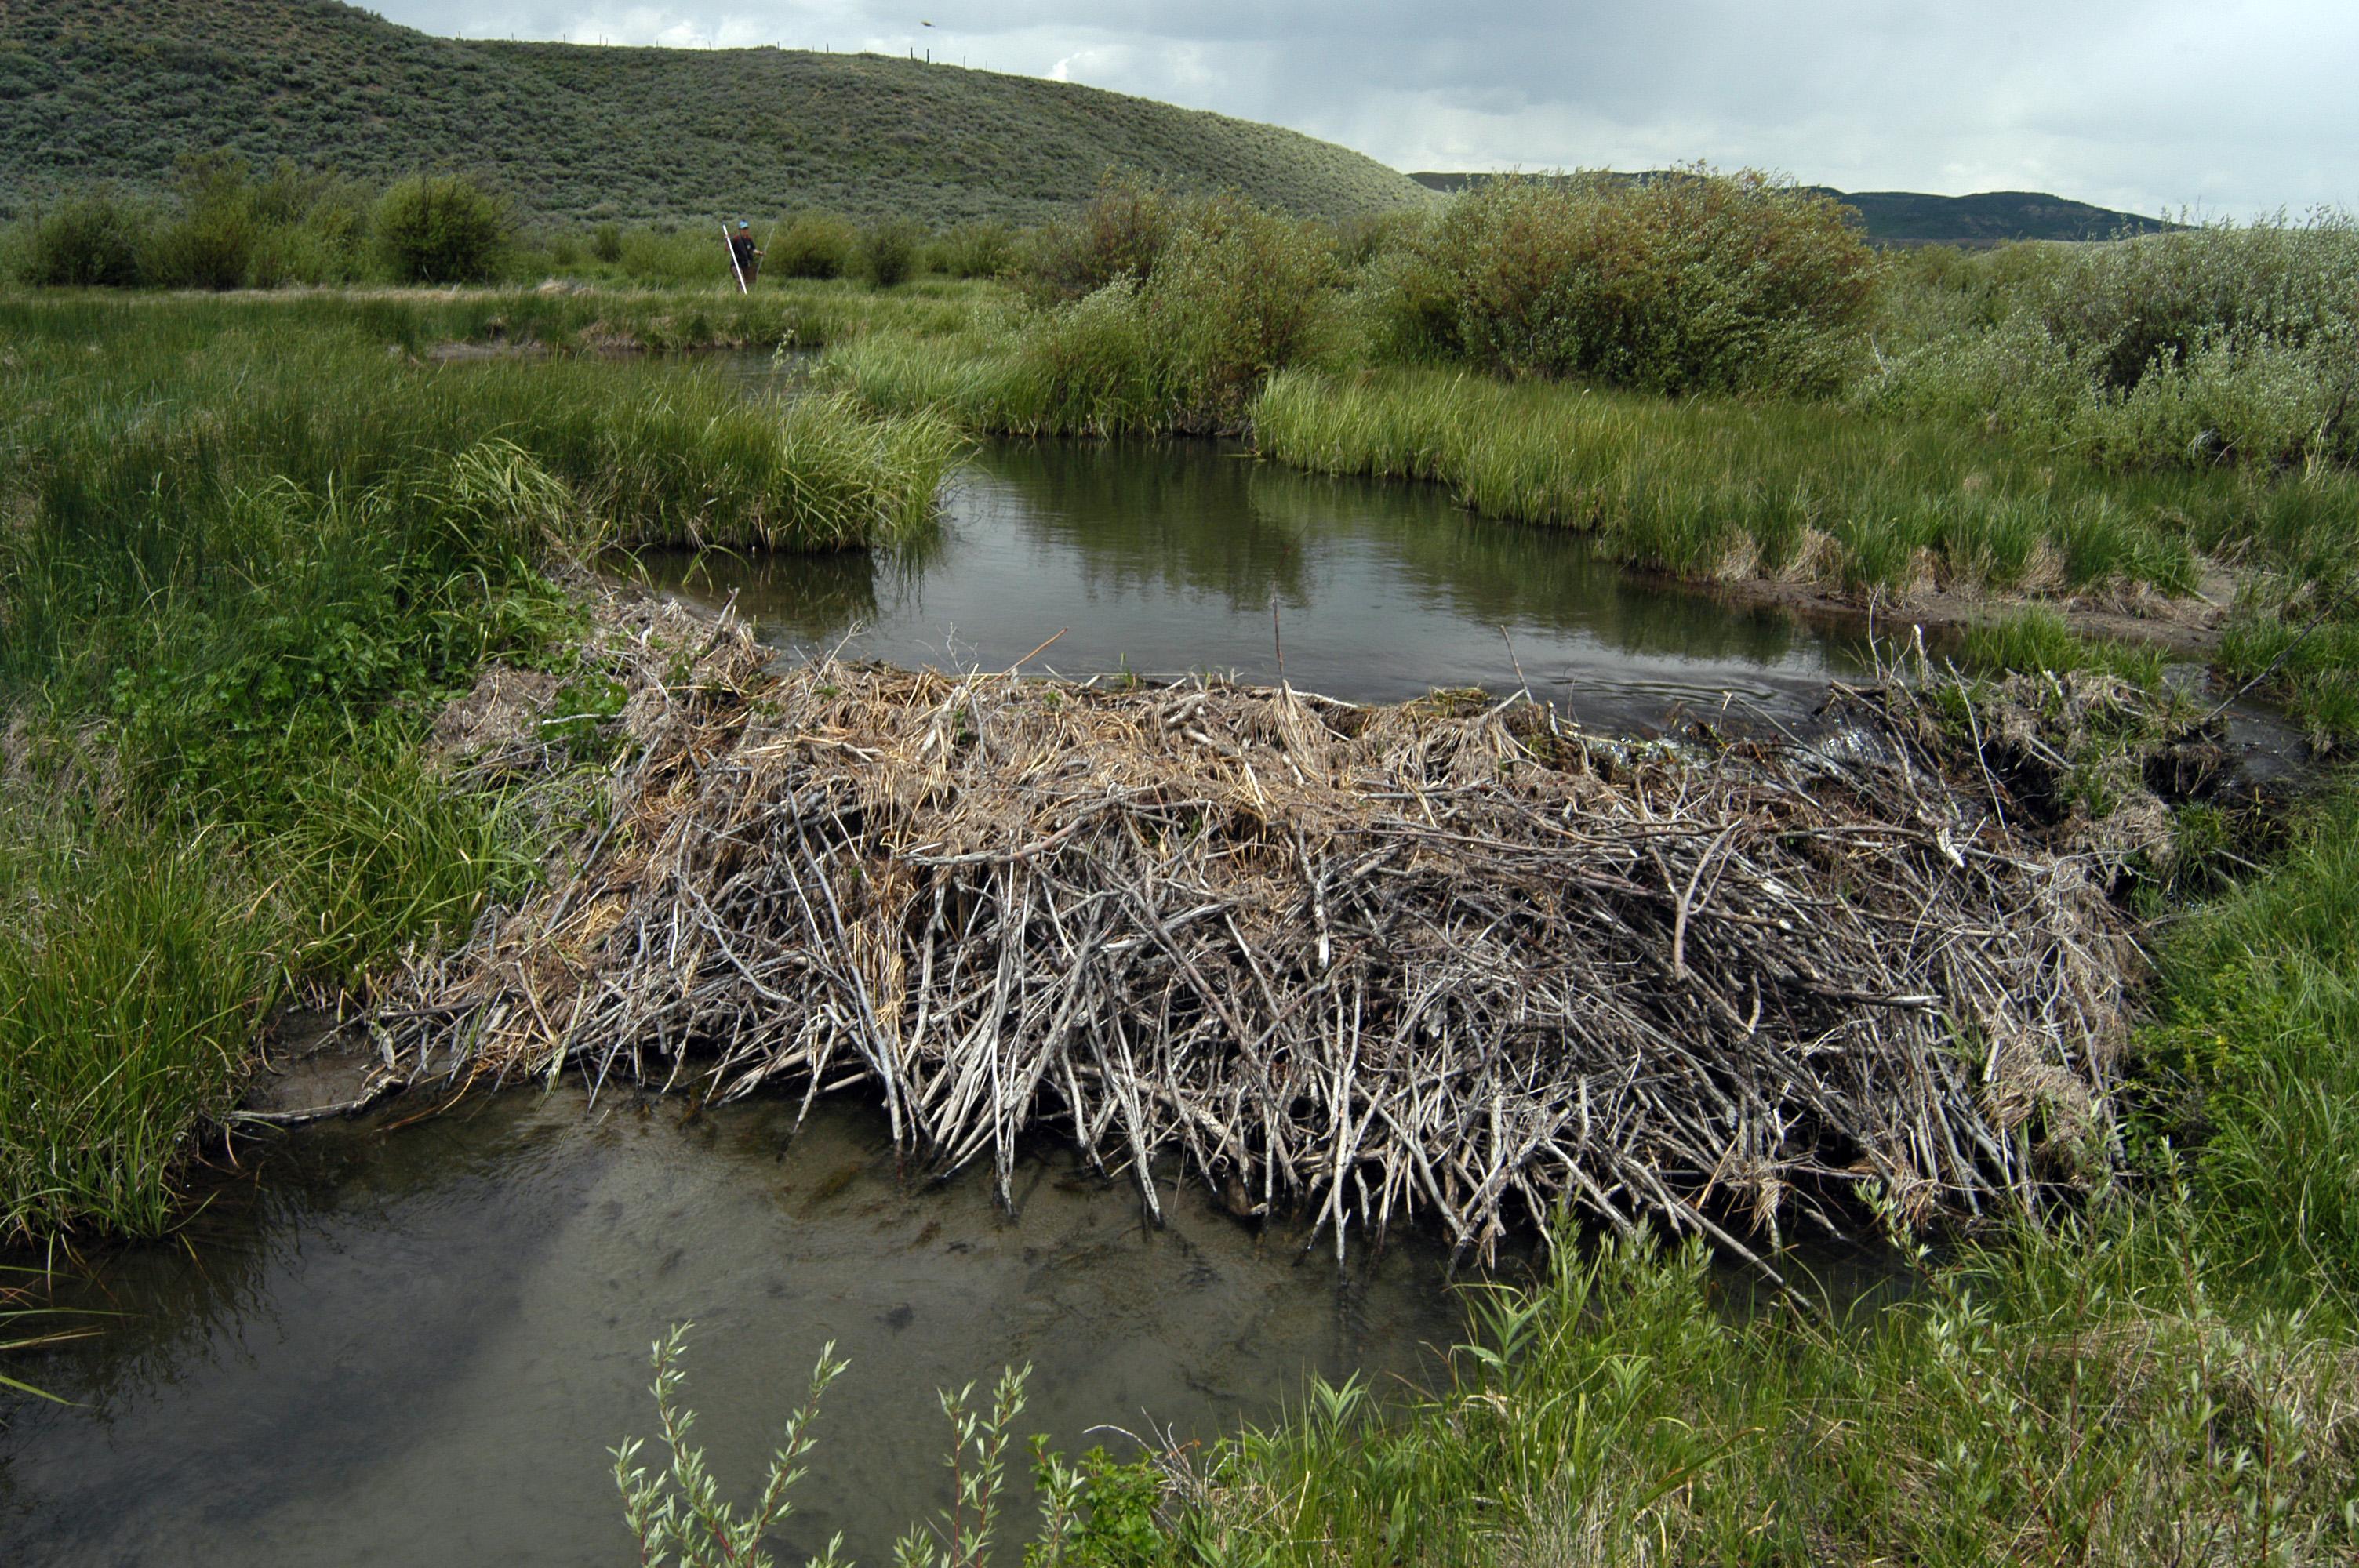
{"x":114,"y":91}
{"x":1915,"y":218}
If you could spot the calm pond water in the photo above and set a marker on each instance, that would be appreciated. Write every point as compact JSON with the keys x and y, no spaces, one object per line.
{"x":1168,"y":558}
{"x":413,"y":1347}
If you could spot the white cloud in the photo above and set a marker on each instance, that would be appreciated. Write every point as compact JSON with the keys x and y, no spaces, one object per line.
{"x":2236,"y":105}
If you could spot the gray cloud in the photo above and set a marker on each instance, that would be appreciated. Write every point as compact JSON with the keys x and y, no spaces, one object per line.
{"x":2231,"y":106}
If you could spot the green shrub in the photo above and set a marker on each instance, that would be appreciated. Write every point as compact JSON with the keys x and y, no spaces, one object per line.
{"x":659,"y":256}
{"x":1238,"y":294}
{"x":1370,"y":237}
{"x":1118,"y":235}
{"x":975,"y":250}
{"x":2137,"y":304}
{"x":315,"y":253}
{"x":1686,"y":282}
{"x":211,"y":243}
{"x":88,"y":242}
{"x":813,"y":244}
{"x":606,"y":242}
{"x":891,"y":251}
{"x":2194,"y":349}
{"x":440,"y":228}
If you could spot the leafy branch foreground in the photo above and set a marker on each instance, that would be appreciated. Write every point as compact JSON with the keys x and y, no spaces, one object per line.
{"x":1096,"y":1512}
{"x":2087,"y":1395}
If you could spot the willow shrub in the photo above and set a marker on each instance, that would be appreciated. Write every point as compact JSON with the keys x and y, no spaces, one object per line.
{"x":891,"y":253}
{"x":1116,"y":236}
{"x":1237,"y":294}
{"x":1684,"y":282}
{"x":813,"y":245}
{"x":91,"y":241}
{"x":2219,"y":346}
{"x":2127,"y":306}
{"x":1234,"y":295}
{"x":984,"y":249}
{"x":209,"y":242}
{"x":440,"y":228}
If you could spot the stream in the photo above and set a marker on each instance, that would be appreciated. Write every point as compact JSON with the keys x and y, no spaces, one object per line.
{"x":407,"y":1340}
{"x":413,"y":1345}
{"x":1168,"y":558}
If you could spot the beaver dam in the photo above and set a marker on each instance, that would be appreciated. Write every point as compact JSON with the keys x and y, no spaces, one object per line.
{"x":1454,"y":961}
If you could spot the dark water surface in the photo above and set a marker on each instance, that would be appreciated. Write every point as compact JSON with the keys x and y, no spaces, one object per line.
{"x":1163,"y":559}
{"x":413,"y":1347}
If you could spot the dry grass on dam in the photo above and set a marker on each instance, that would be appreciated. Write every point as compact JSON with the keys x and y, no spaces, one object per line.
{"x":1450,"y":960}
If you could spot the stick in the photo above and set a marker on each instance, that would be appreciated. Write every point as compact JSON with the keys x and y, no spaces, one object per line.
{"x":734,"y":270}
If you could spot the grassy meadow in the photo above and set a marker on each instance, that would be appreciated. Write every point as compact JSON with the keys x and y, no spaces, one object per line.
{"x":250,"y":540}
{"x":250,"y":545}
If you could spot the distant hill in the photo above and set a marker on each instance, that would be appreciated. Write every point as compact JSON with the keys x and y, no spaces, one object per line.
{"x":116,"y":90}
{"x":1915,"y":218}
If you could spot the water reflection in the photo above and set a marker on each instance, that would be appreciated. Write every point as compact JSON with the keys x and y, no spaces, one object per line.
{"x":1162,"y":559}
{"x":412,"y":1346}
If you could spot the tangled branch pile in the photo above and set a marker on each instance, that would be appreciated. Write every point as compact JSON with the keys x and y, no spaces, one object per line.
{"x":1450,"y":961}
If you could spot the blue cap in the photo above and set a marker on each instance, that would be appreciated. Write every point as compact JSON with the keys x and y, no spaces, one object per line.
{"x":742,"y":224}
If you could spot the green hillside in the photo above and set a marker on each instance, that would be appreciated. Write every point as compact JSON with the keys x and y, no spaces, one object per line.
{"x":116,"y":90}
{"x":1917,"y":218}
{"x":1987,"y":218}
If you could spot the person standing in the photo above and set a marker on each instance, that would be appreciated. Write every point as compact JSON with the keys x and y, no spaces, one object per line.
{"x":740,"y":246}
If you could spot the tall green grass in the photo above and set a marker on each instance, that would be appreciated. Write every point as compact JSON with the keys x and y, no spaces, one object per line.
{"x":1710,"y":487}
{"x":248,"y":551}
{"x":2259,"y":1025}
{"x":2066,"y":1398}
{"x":800,"y":315}
{"x":130,"y":982}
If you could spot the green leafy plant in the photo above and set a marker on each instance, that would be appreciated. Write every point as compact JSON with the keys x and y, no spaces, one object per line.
{"x":211,"y":243}
{"x":891,"y":253}
{"x":961,"y":1536}
{"x":1118,"y":236}
{"x":677,"y":1513}
{"x":1095,"y":1514}
{"x":813,"y":244}
{"x":440,"y":228}
{"x":90,"y":241}
{"x":1686,"y":281}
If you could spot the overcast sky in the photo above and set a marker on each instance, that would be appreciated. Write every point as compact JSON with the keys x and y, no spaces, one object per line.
{"x":2232,"y":107}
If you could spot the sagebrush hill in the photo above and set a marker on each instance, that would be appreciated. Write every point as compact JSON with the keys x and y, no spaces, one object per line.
{"x":115,"y":90}
{"x":1918,"y":218}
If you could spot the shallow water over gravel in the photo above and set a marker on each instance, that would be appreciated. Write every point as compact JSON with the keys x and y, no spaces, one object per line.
{"x":413,"y":1347}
